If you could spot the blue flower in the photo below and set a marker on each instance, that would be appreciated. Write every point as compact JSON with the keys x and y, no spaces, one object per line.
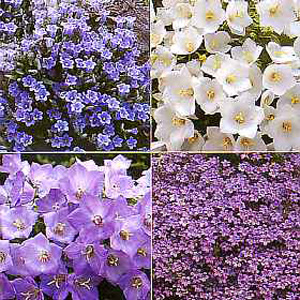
{"x":61,"y":126}
{"x":131,"y":142}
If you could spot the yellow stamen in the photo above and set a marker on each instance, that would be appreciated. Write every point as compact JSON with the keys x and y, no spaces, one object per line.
{"x":186,"y":92}
{"x":246,"y":143}
{"x":295,"y":100}
{"x":136,"y":282}
{"x":125,"y":235}
{"x":230,"y":79}
{"x":189,"y":46}
{"x":287,"y":126}
{"x":142,"y":252}
{"x":274,"y":10}
{"x":240,"y":118}
{"x":178,"y":122}
{"x":209,"y":16}
{"x":210,"y":94}
{"x":275,"y":77}
{"x":270,"y":117}
{"x":227,"y":143}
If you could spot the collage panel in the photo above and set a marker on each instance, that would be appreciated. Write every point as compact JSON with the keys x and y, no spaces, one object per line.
{"x":226,"y":226}
{"x":75,"y":226}
{"x":74,"y":75}
{"x":225,"y":75}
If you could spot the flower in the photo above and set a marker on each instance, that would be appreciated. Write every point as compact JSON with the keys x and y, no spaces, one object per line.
{"x":217,"y":42}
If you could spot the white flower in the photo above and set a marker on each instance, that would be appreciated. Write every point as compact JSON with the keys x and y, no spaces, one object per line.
{"x":270,"y":114}
{"x":171,"y":129}
{"x":208,"y":15}
{"x":267,"y":98}
{"x":246,"y":144}
{"x":218,"y":141}
{"x":237,"y":16}
{"x":162,"y":60}
{"x":276,"y":14}
{"x":186,"y":41}
{"x":255,"y":76}
{"x":179,"y":92}
{"x":280,"y":54}
{"x":158,"y":32}
{"x":234,"y":77}
{"x":247,"y":53}
{"x":182,"y":14}
{"x":194,"y":143}
{"x":217,"y":42}
{"x":209,"y":94}
{"x":285,"y":129}
{"x":241,"y":116}
{"x":214,"y":62}
{"x":291,"y":97}
{"x":278,"y":78}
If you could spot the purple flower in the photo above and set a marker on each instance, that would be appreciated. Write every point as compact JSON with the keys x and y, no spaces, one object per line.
{"x":26,"y":288}
{"x":56,"y":286}
{"x":52,"y":202}
{"x":40,"y":256}
{"x":135,"y":285}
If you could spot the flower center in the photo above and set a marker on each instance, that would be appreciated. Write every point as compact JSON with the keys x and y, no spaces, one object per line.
{"x":113,"y":261}
{"x":295,"y":100}
{"x":178,"y":122}
{"x":247,"y":143}
{"x":210,"y":94}
{"x":136,"y":282}
{"x":89,"y":252}
{"x":193,"y":139}
{"x":2,"y":257}
{"x":31,"y":294}
{"x":248,"y":56}
{"x":274,"y":10}
{"x":227,"y":143}
{"x":147,"y":221}
{"x":214,"y":44}
{"x":97,"y":220}
{"x":189,"y":46}
{"x":125,"y":235}
{"x":44,"y":256}
{"x":83,"y":282}
{"x":186,"y":92}
{"x":217,"y":63}
{"x":230,"y":79}
{"x":275,"y":77}
{"x":270,"y":117}
{"x":142,"y":252}
{"x":59,"y":229}
{"x":57,"y":280}
{"x":240,"y":118}
{"x":287,"y":126}
{"x":79,"y":194}
{"x":209,"y":16}
{"x":19,"y":224}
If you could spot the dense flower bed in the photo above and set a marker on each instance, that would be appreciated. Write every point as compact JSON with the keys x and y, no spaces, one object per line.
{"x":226,"y":227}
{"x":66,"y":230}
{"x":70,"y":78}
{"x":226,"y":74}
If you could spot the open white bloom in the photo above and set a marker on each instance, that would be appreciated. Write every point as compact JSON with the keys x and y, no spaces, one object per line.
{"x":194,"y":143}
{"x":237,"y":16}
{"x":162,"y":60}
{"x":276,"y":13}
{"x":278,"y":78}
{"x":247,"y":53}
{"x":171,"y":129}
{"x":270,"y":114}
{"x":179,"y":92}
{"x":280,"y":54}
{"x":285,"y":129}
{"x":214,"y":62}
{"x":217,"y":42}
{"x":241,"y":116}
{"x":208,"y":15}
{"x":267,"y":98}
{"x":186,"y":41}
{"x":246,"y":144}
{"x":209,"y":93}
{"x":157,"y":34}
{"x":234,"y":77}
{"x":218,"y":141}
{"x":182,"y":14}
{"x":255,"y":76}
{"x":291,"y":97}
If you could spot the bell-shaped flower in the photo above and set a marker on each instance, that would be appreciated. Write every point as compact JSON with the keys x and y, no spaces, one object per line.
{"x":186,"y":41}
{"x":162,"y":60}
{"x":241,"y":116}
{"x":208,"y":15}
{"x":217,"y":42}
{"x":217,"y":140}
{"x":214,"y":62}
{"x":281,"y":55}
{"x":278,"y":78}
{"x":291,"y":97}
{"x":182,"y":14}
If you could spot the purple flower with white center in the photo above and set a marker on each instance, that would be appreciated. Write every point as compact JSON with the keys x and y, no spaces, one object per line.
{"x":41,"y":257}
{"x":16,"y":222}
{"x":57,"y":226}
{"x":135,"y":285}
{"x":128,"y":235}
{"x":120,"y":186}
{"x":94,"y":219}
{"x":123,"y":89}
{"x":61,"y":126}
{"x":52,"y":202}
{"x":7,"y":290}
{"x":5,"y":257}
{"x":26,"y":288}
{"x":115,"y":264}
{"x":79,"y":182}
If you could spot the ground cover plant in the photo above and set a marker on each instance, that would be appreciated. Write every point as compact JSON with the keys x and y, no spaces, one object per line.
{"x":71,"y":78}
{"x":226,"y":74}
{"x":74,"y":228}
{"x":226,"y":226}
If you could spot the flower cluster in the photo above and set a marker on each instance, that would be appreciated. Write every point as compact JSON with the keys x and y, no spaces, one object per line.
{"x":226,"y":227}
{"x":65,"y":230}
{"x":70,"y":74}
{"x":225,"y":74}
